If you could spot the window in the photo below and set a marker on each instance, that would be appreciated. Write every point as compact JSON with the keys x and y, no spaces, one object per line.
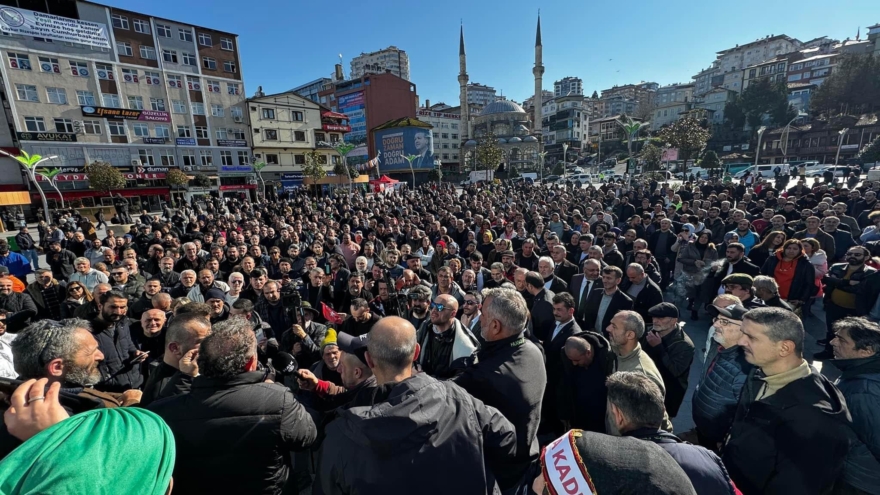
{"x":233,"y":89}
{"x":272,"y":159}
{"x":299,"y":159}
{"x":221,"y":133}
{"x":185,"y":35}
{"x":296,"y":116}
{"x":217,"y":110}
{"x":183,"y":131}
{"x":175,"y":81}
{"x":455,"y":136}
{"x":446,"y":146}
{"x":80,"y":69}
{"x":19,"y":61}
{"x":146,"y":157}
{"x":136,"y":102}
{"x":209,"y":63}
{"x":92,"y":127}
{"x":130,"y":76}
{"x":270,"y":134}
{"x":202,"y":132}
{"x":207,"y":157}
{"x":189,"y":59}
{"x":226,"y":158}
{"x":116,"y":128}
{"x":142,"y":26}
{"x":193,"y":83}
{"x":299,"y":136}
{"x":141,"y":130}
{"x":198,"y":108}
{"x":236,"y":133}
{"x":49,"y":65}
{"x":152,"y":78}
{"x":104,"y":71}
{"x":236,"y":113}
{"x":169,"y":56}
{"x":268,"y":113}
{"x":244,"y":157}
{"x":162,"y":131}
{"x":157,"y":104}
{"x":27,"y":92}
{"x":166,"y":157}
{"x":226,"y":44}
{"x":229,"y":66}
{"x":111,"y":101}
{"x":189,"y":158}
{"x":445,"y":135}
{"x":163,"y":30}
{"x":124,"y":48}
{"x":752,"y":73}
{"x":178,"y":106}
{"x":320,"y":137}
{"x":213,"y":86}
{"x":85,"y":98}
{"x":34,"y":124}
{"x":119,"y":22}
{"x":148,"y":52}
{"x":205,"y":39}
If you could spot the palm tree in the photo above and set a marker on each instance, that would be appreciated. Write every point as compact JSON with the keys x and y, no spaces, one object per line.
{"x":30,"y":164}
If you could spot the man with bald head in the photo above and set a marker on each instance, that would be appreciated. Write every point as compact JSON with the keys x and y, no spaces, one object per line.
{"x":446,"y":344}
{"x":181,"y":343}
{"x":438,"y":422}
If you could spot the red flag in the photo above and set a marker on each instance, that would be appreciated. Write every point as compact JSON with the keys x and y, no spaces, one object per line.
{"x":330,"y":315}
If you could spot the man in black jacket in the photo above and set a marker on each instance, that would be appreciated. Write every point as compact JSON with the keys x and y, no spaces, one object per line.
{"x":542,"y":306}
{"x":231,"y":399}
{"x":603,"y":304}
{"x":671,"y":350}
{"x":509,"y":375}
{"x":426,"y":423}
{"x":641,"y":289}
{"x":792,"y":430}
{"x":60,"y":261}
{"x":182,"y":339}
{"x":736,"y":262}
{"x":121,"y":365}
{"x":581,"y":392}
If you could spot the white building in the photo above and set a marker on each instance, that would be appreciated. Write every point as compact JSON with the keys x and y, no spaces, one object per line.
{"x":568,"y":85}
{"x":480,"y":94}
{"x":389,"y":59}
{"x":726,"y":69}
{"x":447,"y":139}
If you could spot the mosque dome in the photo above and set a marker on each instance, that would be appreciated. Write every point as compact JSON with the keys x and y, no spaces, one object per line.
{"x":501,"y":106}
{"x":514,"y":140}
{"x":530,"y":139}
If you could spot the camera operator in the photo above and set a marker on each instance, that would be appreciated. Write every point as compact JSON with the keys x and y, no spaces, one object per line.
{"x":419,"y":301}
{"x":386,"y":303}
{"x":303,"y":340}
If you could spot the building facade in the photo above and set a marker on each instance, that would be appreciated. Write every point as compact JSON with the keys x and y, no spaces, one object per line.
{"x":820,"y":140}
{"x":874,"y":39}
{"x":568,"y":85}
{"x":714,"y":102}
{"x":142,"y":93}
{"x":671,"y":103}
{"x":565,"y":122}
{"x":446,"y":134}
{"x":312,"y":89}
{"x":760,"y":50}
{"x":391,"y":59}
{"x":480,"y":94}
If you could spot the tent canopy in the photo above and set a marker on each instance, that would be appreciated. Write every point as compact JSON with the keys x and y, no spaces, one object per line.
{"x":384,"y":180}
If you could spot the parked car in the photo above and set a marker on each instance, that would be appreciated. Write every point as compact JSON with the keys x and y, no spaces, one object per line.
{"x":838,"y":171}
{"x":550,"y":179}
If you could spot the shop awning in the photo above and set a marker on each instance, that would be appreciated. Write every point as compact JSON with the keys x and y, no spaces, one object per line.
{"x":90,"y":193}
{"x":334,"y":115}
{"x":14,"y":198}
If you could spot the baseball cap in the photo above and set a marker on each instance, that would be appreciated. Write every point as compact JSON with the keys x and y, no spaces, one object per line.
{"x":351,"y":344}
{"x":734,"y":311}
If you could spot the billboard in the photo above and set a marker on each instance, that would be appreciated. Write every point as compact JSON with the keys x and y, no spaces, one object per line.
{"x":126,"y":114}
{"x":24,"y":22}
{"x":394,"y":144}
{"x":354,"y":106}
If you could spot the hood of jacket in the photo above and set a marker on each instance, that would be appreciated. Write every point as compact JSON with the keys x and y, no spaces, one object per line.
{"x":403,"y":416}
{"x":860,"y":367}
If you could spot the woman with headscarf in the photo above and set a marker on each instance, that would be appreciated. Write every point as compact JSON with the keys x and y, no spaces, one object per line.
{"x":102,"y":451}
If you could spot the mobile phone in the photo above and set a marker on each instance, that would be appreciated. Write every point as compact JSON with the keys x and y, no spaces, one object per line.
{"x":327,"y":269}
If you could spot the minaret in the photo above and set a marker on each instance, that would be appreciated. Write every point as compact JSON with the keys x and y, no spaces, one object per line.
{"x":462,"y":83}
{"x":538,"y":71}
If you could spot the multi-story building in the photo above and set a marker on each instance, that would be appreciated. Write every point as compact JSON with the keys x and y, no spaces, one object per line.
{"x":480,"y":94}
{"x":568,"y":85}
{"x":821,"y":140}
{"x":671,"y":103}
{"x":812,"y":70}
{"x":775,"y":69}
{"x":391,"y":59}
{"x":874,"y":39}
{"x":287,"y":126}
{"x":311,"y":89}
{"x":714,"y":102}
{"x":617,"y":105}
{"x":565,"y":122}
{"x":142,"y":93}
{"x":446,"y":135}
{"x":707,"y":79}
{"x":760,"y":50}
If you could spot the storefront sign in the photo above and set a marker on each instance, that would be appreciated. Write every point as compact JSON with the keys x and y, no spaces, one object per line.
{"x":232,"y":143}
{"x":152,"y":140}
{"x":39,"y":25}
{"x":186,"y":141}
{"x":292,"y":176}
{"x":335,"y":127}
{"x":125,"y":113}
{"x":47,"y":136}
{"x":247,"y":169}
{"x":78,"y":173}
{"x":238,"y":187}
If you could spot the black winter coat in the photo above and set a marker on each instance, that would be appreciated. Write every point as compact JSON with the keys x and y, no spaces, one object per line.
{"x":235,"y":435}
{"x":115,"y":342}
{"x":421,"y":433}
{"x":510,"y":376}
{"x":803,"y":285}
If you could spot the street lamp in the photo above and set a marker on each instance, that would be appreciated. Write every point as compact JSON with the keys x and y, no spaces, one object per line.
{"x":564,"y":161}
{"x":840,"y":133}
{"x":758,"y":149}
{"x":783,"y":141}
{"x":541,"y":155}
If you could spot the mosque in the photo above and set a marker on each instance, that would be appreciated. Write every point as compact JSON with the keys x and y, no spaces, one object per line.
{"x":517,"y":133}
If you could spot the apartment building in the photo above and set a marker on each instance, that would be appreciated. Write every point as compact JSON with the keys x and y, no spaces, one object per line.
{"x":446,"y":134}
{"x":142,"y":93}
{"x":391,"y":59}
{"x":568,"y":85}
{"x":565,"y":122}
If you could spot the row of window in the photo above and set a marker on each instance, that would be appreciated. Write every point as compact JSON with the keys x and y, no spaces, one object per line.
{"x":170,"y":56}
{"x":118,"y":128}
{"x":165,"y":31}
{"x":21,"y":61}
{"x":168,"y":158}
{"x":269,"y":114}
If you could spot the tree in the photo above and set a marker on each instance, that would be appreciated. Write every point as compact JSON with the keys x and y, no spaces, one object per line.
{"x":710,"y":161}
{"x":652,"y":155}
{"x":687,"y":135}
{"x":313,"y":169}
{"x":870,"y":153}
{"x":558,"y":169}
{"x":489,"y":154}
{"x":852,"y":88}
{"x":201,"y":180}
{"x":104,"y":177}
{"x":595,"y":95}
{"x":734,"y":116}
{"x":176,"y":178}
{"x":435,"y":174}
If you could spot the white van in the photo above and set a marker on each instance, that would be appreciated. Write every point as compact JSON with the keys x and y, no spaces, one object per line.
{"x":765,"y":171}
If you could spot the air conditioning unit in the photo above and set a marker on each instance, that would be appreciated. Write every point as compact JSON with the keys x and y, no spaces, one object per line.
{"x":237,"y":118}
{"x":187,"y":168}
{"x":135,"y":162}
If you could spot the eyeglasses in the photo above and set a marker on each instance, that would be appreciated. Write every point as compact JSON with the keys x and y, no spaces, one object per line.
{"x":118,"y":274}
{"x":236,"y":281}
{"x":74,"y":288}
{"x":725,"y":322}
{"x":438,"y":307}
{"x":469,"y":303}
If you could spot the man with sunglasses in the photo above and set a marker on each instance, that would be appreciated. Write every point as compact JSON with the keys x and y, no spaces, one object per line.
{"x":123,"y":282}
{"x":446,"y":344}
{"x":850,"y":290}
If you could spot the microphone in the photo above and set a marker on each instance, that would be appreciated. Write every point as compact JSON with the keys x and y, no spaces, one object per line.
{"x":284,"y":363}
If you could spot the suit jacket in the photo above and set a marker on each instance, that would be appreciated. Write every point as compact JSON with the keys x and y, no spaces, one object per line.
{"x":566,"y":270}
{"x":553,"y":349}
{"x":558,"y":285}
{"x":575,"y":289}
{"x":542,"y":314}
{"x":487,"y":276}
{"x":619,"y":302}
{"x":650,"y":296}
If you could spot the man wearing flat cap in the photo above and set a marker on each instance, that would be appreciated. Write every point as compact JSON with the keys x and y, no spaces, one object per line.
{"x":741,"y":286}
{"x":671,"y":350}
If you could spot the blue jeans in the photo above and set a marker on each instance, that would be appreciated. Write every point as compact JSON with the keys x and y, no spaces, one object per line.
{"x":33,"y":257}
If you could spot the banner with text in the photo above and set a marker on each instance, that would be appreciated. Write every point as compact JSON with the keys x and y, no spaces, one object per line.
{"x":395,"y":144}
{"x":39,"y":25}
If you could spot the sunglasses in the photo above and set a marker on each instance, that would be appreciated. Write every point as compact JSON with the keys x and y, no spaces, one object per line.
{"x":118,"y":274}
{"x":438,"y":307}
{"x":469,"y":303}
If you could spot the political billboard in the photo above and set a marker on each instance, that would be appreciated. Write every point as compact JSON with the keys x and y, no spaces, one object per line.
{"x":23,"y":22}
{"x":396,"y":143}
{"x":354,"y":106}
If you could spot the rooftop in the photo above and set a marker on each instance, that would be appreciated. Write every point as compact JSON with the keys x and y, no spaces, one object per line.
{"x":501,"y":106}
{"x":759,"y":41}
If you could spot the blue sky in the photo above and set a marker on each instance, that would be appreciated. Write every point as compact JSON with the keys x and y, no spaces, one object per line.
{"x":287,"y":43}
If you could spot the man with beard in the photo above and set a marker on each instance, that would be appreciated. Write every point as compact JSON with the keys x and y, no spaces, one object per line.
{"x":271,"y":310}
{"x":471,"y":311}
{"x":848,"y":292}
{"x":414,"y":263}
{"x":446,"y":344}
{"x":167,"y":276}
{"x":602,"y":304}
{"x":125,"y":284}
{"x":155,"y":255}
{"x":190,"y":260}
{"x":843,"y":240}
{"x":527,"y":258}
{"x":355,"y":290}
{"x":507,"y":261}
{"x":361,"y":319}
{"x":121,"y":365}
{"x":145,"y":302}
{"x":206,"y":282}
{"x":231,"y":260}
{"x":778,"y":223}
{"x":671,"y":350}
{"x":216,"y":300}
{"x":419,"y":302}
{"x":554,"y":284}
{"x":60,"y":260}
{"x":383,"y":305}
{"x":735,"y":262}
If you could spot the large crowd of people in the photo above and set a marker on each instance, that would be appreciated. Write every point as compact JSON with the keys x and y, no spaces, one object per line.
{"x":510,"y":338}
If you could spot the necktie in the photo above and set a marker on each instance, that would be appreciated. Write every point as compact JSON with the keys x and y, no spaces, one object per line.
{"x":582,"y":307}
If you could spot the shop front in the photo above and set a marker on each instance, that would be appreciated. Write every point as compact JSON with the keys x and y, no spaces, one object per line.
{"x":145,"y":189}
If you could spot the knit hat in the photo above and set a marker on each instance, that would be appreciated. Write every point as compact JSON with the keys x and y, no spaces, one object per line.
{"x":215,"y":293}
{"x":740,"y":279}
{"x":329,"y":339}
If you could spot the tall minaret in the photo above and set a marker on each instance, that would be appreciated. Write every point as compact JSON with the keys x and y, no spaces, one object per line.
{"x":538,"y":71}
{"x":462,"y":83}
